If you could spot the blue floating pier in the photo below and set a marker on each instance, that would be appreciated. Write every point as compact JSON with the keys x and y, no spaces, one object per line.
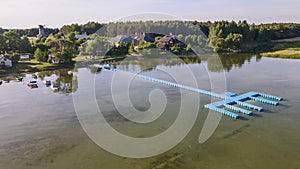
{"x":248,"y":112}
{"x":229,"y":99}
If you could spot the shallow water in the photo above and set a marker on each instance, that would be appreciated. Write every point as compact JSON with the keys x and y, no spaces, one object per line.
{"x":40,"y":129}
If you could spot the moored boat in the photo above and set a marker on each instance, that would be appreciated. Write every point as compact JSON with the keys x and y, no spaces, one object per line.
{"x":19,"y":78}
{"x":54,"y":87}
{"x":47,"y":82}
{"x":34,"y":76}
{"x":32,"y":84}
{"x":98,"y":66}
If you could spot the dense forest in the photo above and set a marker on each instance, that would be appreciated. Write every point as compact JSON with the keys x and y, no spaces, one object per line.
{"x":224,"y":36}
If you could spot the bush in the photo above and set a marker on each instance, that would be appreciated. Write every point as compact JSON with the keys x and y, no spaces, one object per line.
{"x":14,"y":57}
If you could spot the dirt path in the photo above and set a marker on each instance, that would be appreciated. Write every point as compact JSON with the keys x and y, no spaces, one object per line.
{"x":288,"y":40}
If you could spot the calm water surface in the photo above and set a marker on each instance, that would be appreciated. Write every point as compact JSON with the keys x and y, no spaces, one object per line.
{"x":39,"y":128}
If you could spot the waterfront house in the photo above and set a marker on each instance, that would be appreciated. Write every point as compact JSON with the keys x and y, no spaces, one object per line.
{"x":143,"y":37}
{"x":167,"y":41}
{"x":81,"y":36}
{"x":24,"y":57}
{"x":5,"y":62}
{"x":122,"y":38}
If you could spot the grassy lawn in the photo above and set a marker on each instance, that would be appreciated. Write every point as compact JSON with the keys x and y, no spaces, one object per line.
{"x":292,"y":53}
{"x":288,"y":49}
{"x":32,"y":66}
{"x":35,"y":66}
{"x":97,"y":59}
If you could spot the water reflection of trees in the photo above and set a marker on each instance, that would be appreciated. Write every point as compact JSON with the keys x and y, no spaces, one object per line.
{"x":226,"y":62}
{"x":216,"y":62}
{"x":61,"y":77}
{"x":150,"y":63}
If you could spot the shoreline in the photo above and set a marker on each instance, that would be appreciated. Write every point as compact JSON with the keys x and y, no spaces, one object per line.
{"x":293,"y":53}
{"x":32,"y":67}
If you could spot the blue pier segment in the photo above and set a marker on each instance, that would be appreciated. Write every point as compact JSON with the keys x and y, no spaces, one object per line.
{"x":107,"y":67}
{"x":250,"y":113}
{"x":270,"y":96}
{"x":264,"y":101}
{"x":224,"y":112}
{"x":250,"y":106}
{"x":228,"y":99}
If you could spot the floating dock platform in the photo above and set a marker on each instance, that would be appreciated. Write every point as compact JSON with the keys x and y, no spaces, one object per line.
{"x":229,"y":99}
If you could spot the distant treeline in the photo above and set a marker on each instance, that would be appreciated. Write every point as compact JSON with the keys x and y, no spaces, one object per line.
{"x":223,"y":35}
{"x":32,"y":32}
{"x":250,"y":32}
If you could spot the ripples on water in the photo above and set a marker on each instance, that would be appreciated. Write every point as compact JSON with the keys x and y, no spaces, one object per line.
{"x":39,"y":128}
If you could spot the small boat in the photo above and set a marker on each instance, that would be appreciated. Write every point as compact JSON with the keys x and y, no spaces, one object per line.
{"x":47,"y":82}
{"x":1,"y":81}
{"x":98,"y":66}
{"x":19,"y":78}
{"x":34,"y":76}
{"x":70,"y":72}
{"x":32,"y":84}
{"x":54,"y":87}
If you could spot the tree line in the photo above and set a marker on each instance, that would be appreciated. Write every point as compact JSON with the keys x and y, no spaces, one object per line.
{"x":222,"y":35}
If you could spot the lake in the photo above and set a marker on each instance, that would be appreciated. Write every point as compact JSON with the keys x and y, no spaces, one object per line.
{"x":40,"y":129}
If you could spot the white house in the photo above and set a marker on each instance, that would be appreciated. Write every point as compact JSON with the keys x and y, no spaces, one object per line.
{"x":5,"y":62}
{"x":24,"y":57}
{"x":81,"y":36}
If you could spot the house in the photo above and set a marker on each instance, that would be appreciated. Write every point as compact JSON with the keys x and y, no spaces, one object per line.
{"x":122,"y":38}
{"x":145,"y":37}
{"x":167,"y":41}
{"x":52,"y":59}
{"x":81,"y":36}
{"x":24,"y":57}
{"x":5,"y":62}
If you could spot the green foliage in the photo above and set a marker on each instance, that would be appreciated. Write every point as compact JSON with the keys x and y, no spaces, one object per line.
{"x":188,"y":48}
{"x":40,"y":56}
{"x":2,"y":44}
{"x":25,"y":46}
{"x":12,"y":40}
{"x":223,"y":35}
{"x":14,"y":57}
{"x":131,"y":48}
{"x":88,"y":28}
{"x":233,"y":40}
{"x":119,"y":50}
{"x":245,"y":33}
{"x":96,"y":46}
{"x":146,"y":45}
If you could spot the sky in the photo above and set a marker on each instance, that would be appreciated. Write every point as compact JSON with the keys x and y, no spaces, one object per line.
{"x":56,"y":13}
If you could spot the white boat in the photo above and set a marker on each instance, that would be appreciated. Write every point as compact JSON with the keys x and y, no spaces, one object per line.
{"x":98,"y":66}
{"x":54,"y":87}
{"x":47,"y":82}
{"x":32,"y":84}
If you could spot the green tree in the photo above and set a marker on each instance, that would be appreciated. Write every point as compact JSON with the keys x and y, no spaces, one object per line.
{"x":25,"y":46}
{"x":14,"y":57}
{"x":234,"y":40}
{"x":39,"y":55}
{"x":13,"y":40}
{"x":131,"y":48}
{"x":188,"y":48}
{"x":2,"y":44}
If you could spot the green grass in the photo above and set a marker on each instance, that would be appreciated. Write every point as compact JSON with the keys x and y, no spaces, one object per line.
{"x":31,"y":67}
{"x":292,"y":53}
{"x":286,"y":50}
{"x":97,"y":59}
{"x":35,"y":66}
